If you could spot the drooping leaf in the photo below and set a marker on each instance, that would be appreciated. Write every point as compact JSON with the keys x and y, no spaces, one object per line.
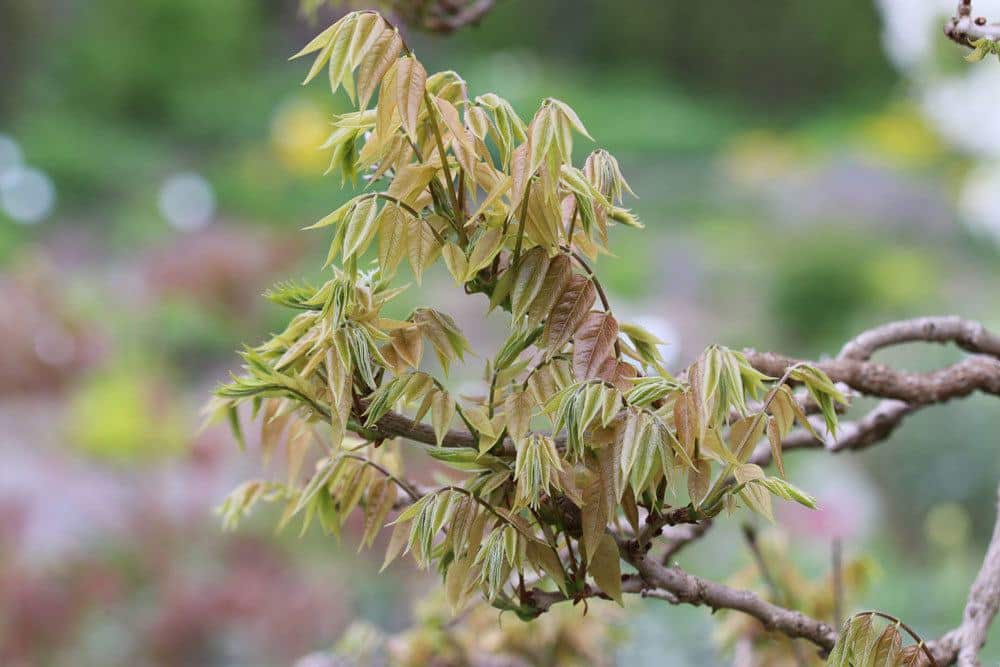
{"x":605,"y":568}
{"x":422,"y":246}
{"x":376,"y":62}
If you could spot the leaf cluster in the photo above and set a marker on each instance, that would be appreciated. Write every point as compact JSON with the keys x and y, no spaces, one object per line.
{"x":583,"y":430}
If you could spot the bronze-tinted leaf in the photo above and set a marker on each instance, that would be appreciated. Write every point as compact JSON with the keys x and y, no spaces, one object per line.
{"x":442,"y":412}
{"x":699,"y":479}
{"x":744,"y":435}
{"x":888,"y":647}
{"x":686,"y":421}
{"x":621,"y":376}
{"x":520,"y":175}
{"x":376,"y":62}
{"x":529,"y":278}
{"x":559,"y":270}
{"x":457,"y":582}
{"x":594,"y":344}
{"x":391,"y":238}
{"x":569,"y":312}
{"x":422,"y":246}
{"x":774,"y":439}
{"x":456,"y":261}
{"x":599,"y":497}
{"x":408,"y":344}
{"x":411,"y":78}
{"x":518,"y":408}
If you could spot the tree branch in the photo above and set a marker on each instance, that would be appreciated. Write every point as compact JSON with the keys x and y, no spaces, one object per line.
{"x":964,"y":642}
{"x":907,"y":390}
{"x":970,"y":336}
{"x":976,"y":373}
{"x":450,"y":18}
{"x":965,"y":30}
{"x":690,"y":589}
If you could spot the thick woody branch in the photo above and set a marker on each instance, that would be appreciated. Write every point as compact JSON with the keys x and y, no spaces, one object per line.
{"x":964,"y":642}
{"x":447,"y":16}
{"x":980,"y":372}
{"x":970,"y":336}
{"x":964,"y":29}
{"x":976,"y":373}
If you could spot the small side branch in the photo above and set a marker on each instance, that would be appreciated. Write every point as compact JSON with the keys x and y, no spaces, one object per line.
{"x":690,"y":589}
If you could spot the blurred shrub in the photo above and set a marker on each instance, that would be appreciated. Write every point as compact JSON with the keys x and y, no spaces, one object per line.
{"x":780,"y":55}
{"x":826,"y":283}
{"x":125,"y":414}
{"x":564,"y":636}
{"x":45,"y":341}
{"x":143,"y":59}
{"x":222,"y":268}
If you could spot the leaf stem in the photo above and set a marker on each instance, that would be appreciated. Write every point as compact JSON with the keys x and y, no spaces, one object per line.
{"x":412,"y":211}
{"x":520,"y":225}
{"x":409,"y":490}
{"x":429,"y":103}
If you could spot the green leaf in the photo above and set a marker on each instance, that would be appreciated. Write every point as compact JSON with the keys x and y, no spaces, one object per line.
{"x":605,"y":568}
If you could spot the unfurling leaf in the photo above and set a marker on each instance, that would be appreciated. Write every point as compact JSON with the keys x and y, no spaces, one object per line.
{"x":536,"y":468}
{"x":699,"y":480}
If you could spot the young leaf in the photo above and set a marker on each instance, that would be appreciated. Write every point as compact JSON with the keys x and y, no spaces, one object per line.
{"x":422,"y":246}
{"x":442,"y":413}
{"x":529,"y":278}
{"x":699,"y":480}
{"x":774,"y":439}
{"x":376,"y":62}
{"x":558,"y":273}
{"x":605,"y":568}
{"x":569,"y":312}
{"x":411,"y":78}
{"x":887,"y":648}
{"x":593,"y":344}
{"x":754,"y":495}
{"x":360,"y":227}
{"x":456,"y":261}
{"x":483,"y":252}
{"x":392,"y":228}
{"x":518,"y":408}
{"x":541,"y":136}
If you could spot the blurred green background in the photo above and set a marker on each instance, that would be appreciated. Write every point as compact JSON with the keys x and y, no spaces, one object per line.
{"x":803,"y":173}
